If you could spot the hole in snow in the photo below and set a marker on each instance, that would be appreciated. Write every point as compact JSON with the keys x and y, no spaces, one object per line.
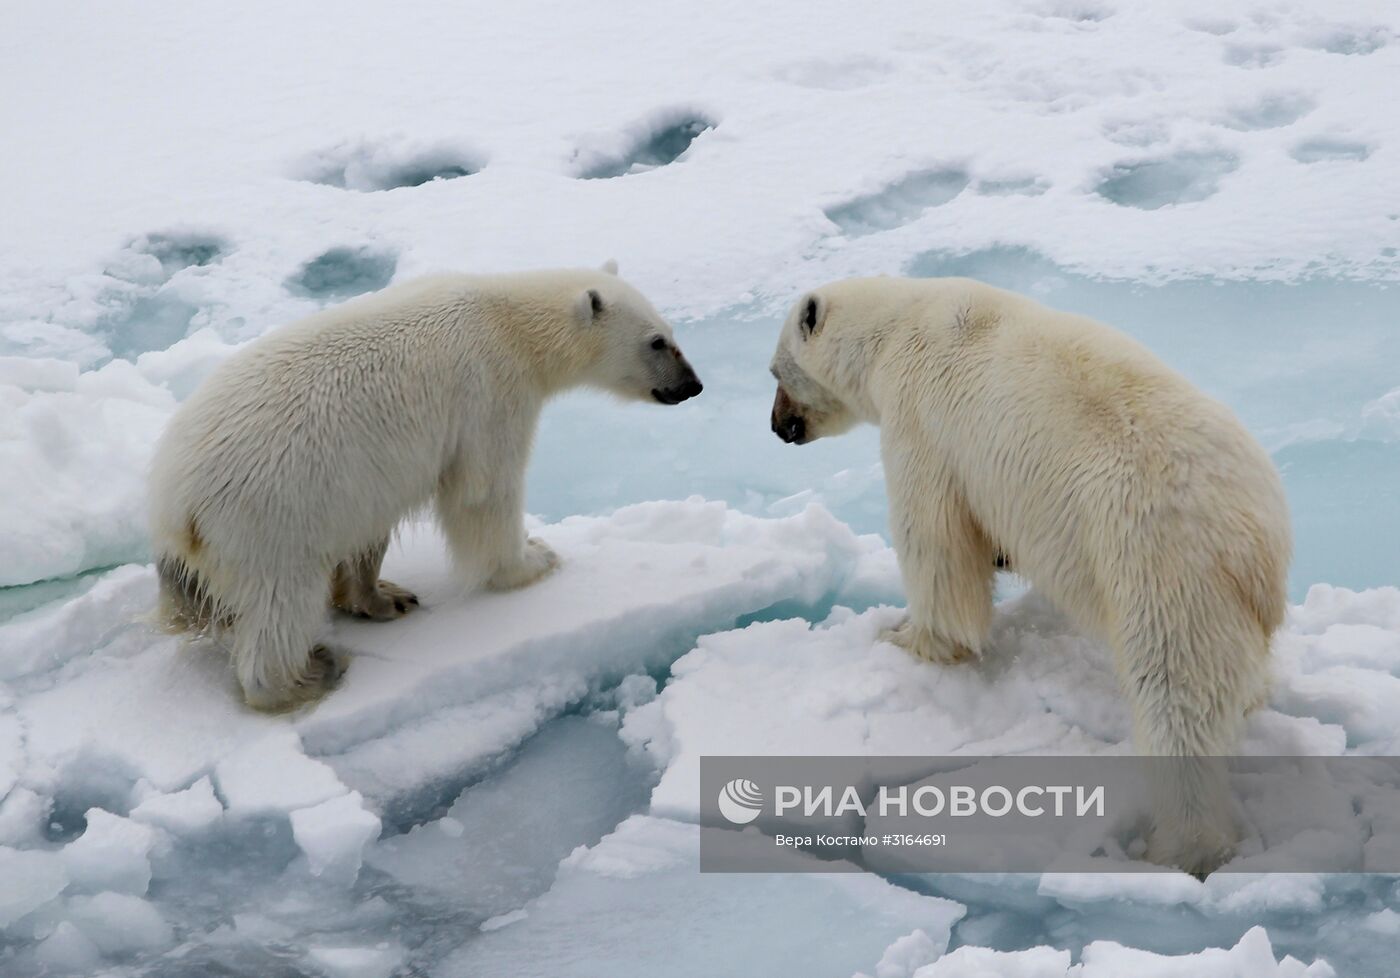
{"x":1013,"y":186}
{"x":654,"y":147}
{"x":86,"y":783}
{"x":900,"y":203}
{"x":154,"y":259}
{"x":177,"y":251}
{"x":1269,"y":112}
{"x":1137,"y":132}
{"x":369,"y":167}
{"x":1212,"y":25}
{"x":148,"y":308}
{"x":148,"y":322}
{"x":1251,"y":55}
{"x":1350,"y":40}
{"x":1319,"y":150}
{"x":343,"y":272}
{"x":1079,"y":11}
{"x":836,"y":74}
{"x":1179,"y":179}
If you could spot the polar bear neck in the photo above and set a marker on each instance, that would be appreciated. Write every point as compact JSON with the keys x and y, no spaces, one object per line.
{"x":846,"y":368}
{"x":905,"y":337}
{"x":550,"y":352}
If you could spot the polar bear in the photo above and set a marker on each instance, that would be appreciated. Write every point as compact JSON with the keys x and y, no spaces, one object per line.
{"x":1140,"y":506}
{"x":276,"y":486}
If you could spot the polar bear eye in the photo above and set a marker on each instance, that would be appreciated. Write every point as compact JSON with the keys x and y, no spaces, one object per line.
{"x":659,"y":343}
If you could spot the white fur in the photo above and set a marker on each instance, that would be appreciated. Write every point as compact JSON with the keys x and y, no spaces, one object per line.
{"x":1142,"y":507}
{"x":307,"y":448}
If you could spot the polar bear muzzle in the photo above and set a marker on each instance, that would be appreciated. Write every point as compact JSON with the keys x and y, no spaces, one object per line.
{"x":788,"y":422}
{"x":676,"y":378}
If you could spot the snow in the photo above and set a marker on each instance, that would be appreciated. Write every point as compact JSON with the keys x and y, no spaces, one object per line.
{"x":1039,"y":689}
{"x":1385,"y":921}
{"x":55,"y":447}
{"x":333,"y":835}
{"x":354,"y":962}
{"x":67,"y":950}
{"x":113,"y":853}
{"x":272,"y":774}
{"x":1252,"y":956}
{"x":902,"y":958}
{"x":981,"y":962}
{"x":32,"y":879}
{"x":505,"y":783}
{"x":619,"y":606}
{"x":184,"y":812}
{"x":119,"y":923}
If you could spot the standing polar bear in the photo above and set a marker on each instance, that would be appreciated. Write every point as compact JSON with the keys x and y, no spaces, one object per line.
{"x":1139,"y":505}
{"x":276,"y":486}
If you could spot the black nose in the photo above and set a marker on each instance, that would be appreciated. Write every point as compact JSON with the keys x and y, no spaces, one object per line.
{"x":791,"y":429}
{"x":674,"y":395}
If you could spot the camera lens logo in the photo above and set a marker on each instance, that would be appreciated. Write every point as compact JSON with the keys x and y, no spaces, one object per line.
{"x":740,"y":801}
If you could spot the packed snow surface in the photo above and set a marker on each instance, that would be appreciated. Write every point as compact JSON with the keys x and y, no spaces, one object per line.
{"x":505,"y":784}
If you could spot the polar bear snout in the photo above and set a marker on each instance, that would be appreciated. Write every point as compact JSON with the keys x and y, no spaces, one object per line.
{"x":682,"y":384}
{"x":674,"y":395}
{"x":792,"y":430}
{"x":788,"y":422}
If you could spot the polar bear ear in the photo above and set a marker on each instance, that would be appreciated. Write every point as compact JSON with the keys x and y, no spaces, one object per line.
{"x":811,"y":315}
{"x":610,"y":266}
{"x":589,"y":305}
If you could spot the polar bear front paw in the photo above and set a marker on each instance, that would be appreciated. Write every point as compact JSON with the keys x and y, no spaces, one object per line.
{"x":922,"y":643}
{"x":1200,"y":852}
{"x":535,"y":562}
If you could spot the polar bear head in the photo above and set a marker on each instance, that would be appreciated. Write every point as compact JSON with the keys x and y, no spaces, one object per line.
{"x":635,"y":355}
{"x":811,"y":402}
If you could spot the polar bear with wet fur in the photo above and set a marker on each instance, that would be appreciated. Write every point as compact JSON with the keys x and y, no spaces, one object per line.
{"x":277,"y":485}
{"x":1139,"y":505}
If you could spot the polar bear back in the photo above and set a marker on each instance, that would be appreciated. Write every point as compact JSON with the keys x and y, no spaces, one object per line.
{"x":321,"y":435}
{"x":288,"y":418}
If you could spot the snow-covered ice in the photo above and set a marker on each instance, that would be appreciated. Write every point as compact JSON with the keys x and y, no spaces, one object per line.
{"x":183,"y":812}
{"x":333,"y":835}
{"x":505,"y":784}
{"x":113,"y":853}
{"x":1252,"y":957}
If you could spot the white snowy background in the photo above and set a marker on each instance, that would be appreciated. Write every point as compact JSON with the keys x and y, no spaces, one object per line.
{"x":505,"y":785}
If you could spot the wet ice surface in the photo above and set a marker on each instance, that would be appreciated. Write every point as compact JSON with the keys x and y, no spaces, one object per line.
{"x":501,"y":784}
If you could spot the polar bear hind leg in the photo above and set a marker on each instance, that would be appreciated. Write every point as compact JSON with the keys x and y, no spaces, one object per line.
{"x":185,"y":603}
{"x":276,"y":657}
{"x":1192,"y":668}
